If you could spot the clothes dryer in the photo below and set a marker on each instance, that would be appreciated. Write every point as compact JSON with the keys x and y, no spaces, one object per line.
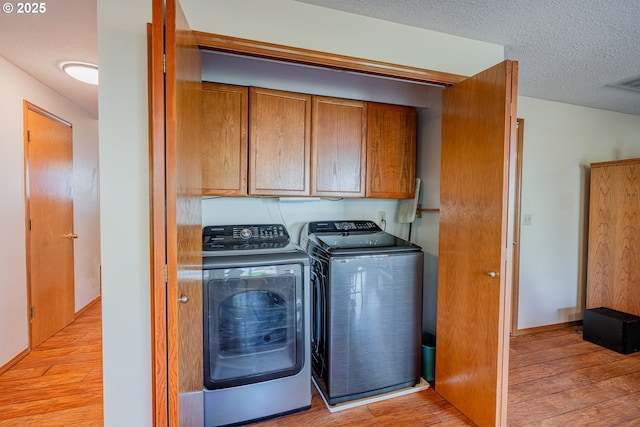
{"x":256,"y":324}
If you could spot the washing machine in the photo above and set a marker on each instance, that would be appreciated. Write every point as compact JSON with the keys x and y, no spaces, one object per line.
{"x":366,"y":309}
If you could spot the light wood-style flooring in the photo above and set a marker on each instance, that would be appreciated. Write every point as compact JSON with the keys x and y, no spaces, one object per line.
{"x":60,"y":382}
{"x":555,"y":379}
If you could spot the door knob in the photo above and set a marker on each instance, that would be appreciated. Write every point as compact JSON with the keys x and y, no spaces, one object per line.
{"x":493,"y":274}
{"x":71,"y":236}
{"x":183,"y":299}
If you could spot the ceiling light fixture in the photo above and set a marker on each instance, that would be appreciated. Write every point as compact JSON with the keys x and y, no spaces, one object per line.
{"x":83,"y":71}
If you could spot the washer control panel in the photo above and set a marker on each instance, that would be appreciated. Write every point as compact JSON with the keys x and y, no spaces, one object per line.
{"x":341,"y":226}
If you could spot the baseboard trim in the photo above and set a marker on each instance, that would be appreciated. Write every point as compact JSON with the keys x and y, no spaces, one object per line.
{"x":88,"y":306}
{"x":4,"y":368}
{"x":15,"y":360}
{"x":546,"y":328}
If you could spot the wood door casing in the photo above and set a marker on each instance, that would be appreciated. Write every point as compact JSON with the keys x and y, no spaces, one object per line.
{"x":391,"y":151}
{"x":279,"y":142}
{"x":176,"y":157}
{"x":478,"y":125}
{"x":338,"y":147}
{"x":50,"y":237}
{"x":517,"y":212}
{"x":225,"y":139}
{"x":159,"y":315}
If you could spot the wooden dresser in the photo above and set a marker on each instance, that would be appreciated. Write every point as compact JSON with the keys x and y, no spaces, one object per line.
{"x":613,"y":275}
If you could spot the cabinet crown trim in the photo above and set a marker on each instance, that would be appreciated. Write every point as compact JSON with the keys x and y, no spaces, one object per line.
{"x":222,"y":43}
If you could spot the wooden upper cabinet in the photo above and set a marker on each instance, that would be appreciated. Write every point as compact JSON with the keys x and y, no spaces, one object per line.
{"x":391,"y":151}
{"x":267,"y":142}
{"x":225,"y":139}
{"x":338,"y":147}
{"x":279,"y":142}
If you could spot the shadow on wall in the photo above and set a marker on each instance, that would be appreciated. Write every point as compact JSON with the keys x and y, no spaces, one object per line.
{"x":429,"y":292}
{"x":585,"y":188}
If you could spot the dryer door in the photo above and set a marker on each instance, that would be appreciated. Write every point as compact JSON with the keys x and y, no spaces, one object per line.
{"x":253,"y":328}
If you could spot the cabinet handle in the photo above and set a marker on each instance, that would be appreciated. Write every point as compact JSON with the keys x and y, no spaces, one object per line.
{"x":493,"y":274}
{"x":71,"y":236}
{"x":183,"y":299}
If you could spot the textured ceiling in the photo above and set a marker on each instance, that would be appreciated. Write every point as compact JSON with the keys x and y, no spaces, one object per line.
{"x":37,"y":43}
{"x":568,"y":50}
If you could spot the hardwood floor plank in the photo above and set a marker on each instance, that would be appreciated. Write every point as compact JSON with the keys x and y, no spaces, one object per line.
{"x":573,"y":378}
{"x":22,"y":373}
{"x":596,"y":415}
{"x":425,"y":408}
{"x":46,"y":406}
{"x":572,"y":399}
{"x":86,"y":416}
{"x":549,"y":354}
{"x":18,"y":385}
{"x":523,"y":374}
{"x":72,"y":366}
{"x":556,"y":338}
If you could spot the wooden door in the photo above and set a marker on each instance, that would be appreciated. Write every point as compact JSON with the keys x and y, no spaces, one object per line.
{"x":391,"y":151}
{"x":176,"y":117}
{"x":279,"y":142}
{"x":338,"y":147}
{"x":50,"y":237}
{"x":225,"y":139}
{"x":478,"y":131}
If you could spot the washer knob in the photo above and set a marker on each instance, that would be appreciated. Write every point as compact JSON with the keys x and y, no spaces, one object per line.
{"x":246,"y":233}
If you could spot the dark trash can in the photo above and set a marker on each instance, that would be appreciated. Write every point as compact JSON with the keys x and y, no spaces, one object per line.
{"x":428,"y":355}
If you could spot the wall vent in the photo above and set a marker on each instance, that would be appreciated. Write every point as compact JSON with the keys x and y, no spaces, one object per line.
{"x":632,"y":83}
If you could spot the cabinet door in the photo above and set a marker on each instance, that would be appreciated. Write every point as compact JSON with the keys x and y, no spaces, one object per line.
{"x":391,"y":151}
{"x":279,"y":142}
{"x":224,"y":139}
{"x":338,"y":147}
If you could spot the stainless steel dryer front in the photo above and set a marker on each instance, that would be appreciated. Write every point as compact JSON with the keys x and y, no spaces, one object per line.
{"x":256,"y":324}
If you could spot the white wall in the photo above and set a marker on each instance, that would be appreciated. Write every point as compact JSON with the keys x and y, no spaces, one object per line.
{"x":560,"y":142}
{"x":124,"y":209}
{"x":312,"y":27}
{"x":426,"y":229}
{"x":15,"y":87}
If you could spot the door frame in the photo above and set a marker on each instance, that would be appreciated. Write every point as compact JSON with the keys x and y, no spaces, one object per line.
{"x":29,"y":106}
{"x":517,"y":212}
{"x":250,"y":48}
{"x":175,"y":112}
